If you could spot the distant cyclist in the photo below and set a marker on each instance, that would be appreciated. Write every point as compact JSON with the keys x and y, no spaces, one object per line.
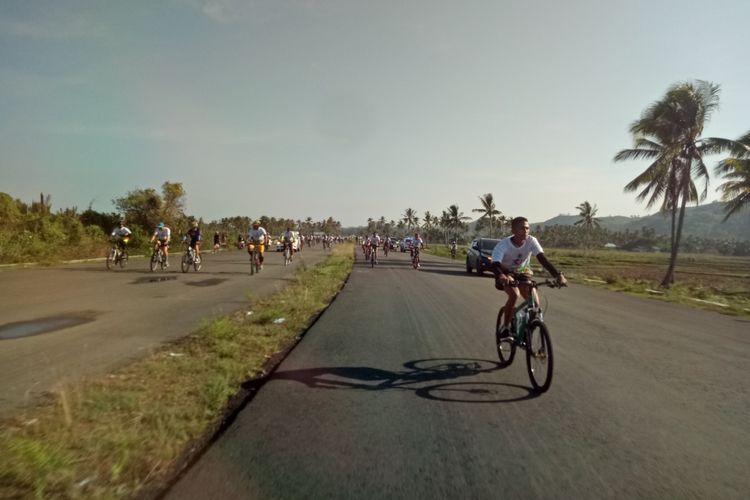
{"x":195,"y":236}
{"x":511,"y":263}
{"x":162,"y":235}
{"x":258,"y":236}
{"x":415,"y":246}
{"x":288,"y":239}
{"x":374,"y":242}
{"x":120,"y":235}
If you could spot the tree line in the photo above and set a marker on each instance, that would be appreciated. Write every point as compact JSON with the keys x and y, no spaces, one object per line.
{"x":33,"y":232}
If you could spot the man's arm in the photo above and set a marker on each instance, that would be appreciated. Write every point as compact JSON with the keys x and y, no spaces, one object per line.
{"x":551,"y":269}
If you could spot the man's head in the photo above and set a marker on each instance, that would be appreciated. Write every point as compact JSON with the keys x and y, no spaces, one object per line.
{"x":416,"y":235}
{"x":289,"y":229}
{"x":256,"y":224}
{"x":160,"y":225}
{"x":520,"y":228}
{"x":122,"y":223}
{"x":195,"y":223}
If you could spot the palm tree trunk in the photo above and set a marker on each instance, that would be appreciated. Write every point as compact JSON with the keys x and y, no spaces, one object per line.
{"x":669,"y":277}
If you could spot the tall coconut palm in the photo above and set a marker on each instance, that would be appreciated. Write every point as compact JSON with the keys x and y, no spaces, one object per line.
{"x":427,"y":222}
{"x":455,"y":219}
{"x":668,"y":134}
{"x":410,"y":218}
{"x":588,"y":220}
{"x":488,"y":210}
{"x":736,"y":172}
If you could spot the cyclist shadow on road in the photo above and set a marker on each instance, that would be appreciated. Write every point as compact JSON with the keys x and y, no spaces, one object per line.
{"x":417,"y":373}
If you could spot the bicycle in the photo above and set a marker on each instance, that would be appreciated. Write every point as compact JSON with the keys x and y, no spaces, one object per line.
{"x":529,"y":332}
{"x":415,"y":258}
{"x":373,"y":256}
{"x":190,"y":258}
{"x":453,"y":251}
{"x":287,"y":253}
{"x":117,"y":255}
{"x":254,"y":252}
{"x":158,"y":259}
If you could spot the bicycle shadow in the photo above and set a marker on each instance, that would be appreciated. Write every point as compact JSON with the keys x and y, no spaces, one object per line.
{"x":418,"y":372}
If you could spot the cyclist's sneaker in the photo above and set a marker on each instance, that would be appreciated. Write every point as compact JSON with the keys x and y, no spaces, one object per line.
{"x":504,"y":332}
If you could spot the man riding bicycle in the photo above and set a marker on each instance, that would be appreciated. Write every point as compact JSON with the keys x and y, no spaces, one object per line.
{"x":195,"y":236}
{"x":258,"y":236}
{"x":162,"y":235}
{"x":120,"y":235}
{"x":374,"y":242}
{"x":288,"y":240}
{"x":511,"y":263}
{"x":415,"y":246}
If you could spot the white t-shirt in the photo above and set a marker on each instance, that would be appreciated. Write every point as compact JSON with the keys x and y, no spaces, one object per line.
{"x":258,"y":235}
{"x":517,"y":259}
{"x":374,"y":240}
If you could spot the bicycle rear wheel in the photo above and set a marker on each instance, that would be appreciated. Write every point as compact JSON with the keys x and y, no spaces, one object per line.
{"x":123,"y":258}
{"x":197,"y":263}
{"x":506,"y":347}
{"x":539,"y":358}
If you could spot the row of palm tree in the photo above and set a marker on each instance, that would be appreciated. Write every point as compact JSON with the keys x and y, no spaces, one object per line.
{"x":668,"y":133}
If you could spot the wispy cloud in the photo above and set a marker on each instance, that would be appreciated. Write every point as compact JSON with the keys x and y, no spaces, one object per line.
{"x":188,"y":135}
{"x":55,"y":26}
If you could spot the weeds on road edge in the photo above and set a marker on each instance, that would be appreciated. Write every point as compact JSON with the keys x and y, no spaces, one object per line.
{"x":114,"y":436}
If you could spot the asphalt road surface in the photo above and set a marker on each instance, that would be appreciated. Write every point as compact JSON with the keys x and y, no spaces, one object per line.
{"x":395,"y":393}
{"x":98,"y":320}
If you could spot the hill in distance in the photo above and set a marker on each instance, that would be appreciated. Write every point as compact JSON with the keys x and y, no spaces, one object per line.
{"x":704,"y":221}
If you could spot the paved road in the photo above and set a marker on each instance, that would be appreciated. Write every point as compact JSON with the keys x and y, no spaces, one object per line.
{"x":395,"y":393}
{"x":123,"y":314}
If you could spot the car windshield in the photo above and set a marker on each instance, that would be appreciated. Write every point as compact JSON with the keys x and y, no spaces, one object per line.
{"x":488,"y":245}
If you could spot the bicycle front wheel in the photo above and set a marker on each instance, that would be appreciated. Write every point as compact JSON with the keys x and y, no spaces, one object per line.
{"x":539,"y":358}
{"x":111,"y":256}
{"x":506,"y":346}
{"x":154,"y":261}
{"x":197,"y":263}
{"x":185,"y":263}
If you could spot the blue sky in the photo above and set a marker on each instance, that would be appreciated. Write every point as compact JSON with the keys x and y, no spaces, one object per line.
{"x":351,"y":109}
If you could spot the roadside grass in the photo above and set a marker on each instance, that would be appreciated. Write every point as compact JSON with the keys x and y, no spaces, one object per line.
{"x":124,"y":433}
{"x":441,"y":250}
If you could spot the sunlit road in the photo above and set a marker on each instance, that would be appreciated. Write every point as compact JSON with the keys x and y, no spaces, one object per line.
{"x":124,"y":314}
{"x":394,"y":393}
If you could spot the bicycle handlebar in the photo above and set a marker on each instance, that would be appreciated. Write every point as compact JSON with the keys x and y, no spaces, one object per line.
{"x":522,"y":278}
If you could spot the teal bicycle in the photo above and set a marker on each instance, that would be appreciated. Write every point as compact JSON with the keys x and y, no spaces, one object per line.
{"x":528,"y":332}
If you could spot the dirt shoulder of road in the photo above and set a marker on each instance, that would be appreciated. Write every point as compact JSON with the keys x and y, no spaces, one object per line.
{"x":131,"y":432}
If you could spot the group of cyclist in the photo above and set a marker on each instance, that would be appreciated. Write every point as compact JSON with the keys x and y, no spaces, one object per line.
{"x":370,"y":245}
{"x":257,"y":236}
{"x":511,"y":257}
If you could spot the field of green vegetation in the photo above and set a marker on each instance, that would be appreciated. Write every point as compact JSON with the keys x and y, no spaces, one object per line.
{"x":126,"y":433}
{"x":701,"y":280}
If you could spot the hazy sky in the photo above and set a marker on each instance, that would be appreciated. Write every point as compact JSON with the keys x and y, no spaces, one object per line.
{"x":353,"y":109}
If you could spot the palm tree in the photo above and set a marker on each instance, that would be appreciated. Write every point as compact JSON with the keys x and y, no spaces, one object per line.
{"x":668,"y":134}
{"x":410,"y":218}
{"x":455,"y":219}
{"x":488,"y":209}
{"x":427,"y":223}
{"x":736,"y":172}
{"x":588,"y":220}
